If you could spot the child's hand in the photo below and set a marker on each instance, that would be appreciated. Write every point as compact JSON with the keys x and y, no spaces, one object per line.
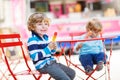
{"x":52,"y":45}
{"x":78,"y":47}
{"x":88,"y":34}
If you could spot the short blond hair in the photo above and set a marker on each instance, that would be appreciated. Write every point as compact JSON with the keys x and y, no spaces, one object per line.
{"x":35,"y":18}
{"x":94,"y":25}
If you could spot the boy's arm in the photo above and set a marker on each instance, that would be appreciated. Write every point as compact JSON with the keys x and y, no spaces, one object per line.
{"x":102,"y":46}
{"x":78,"y":46}
{"x":37,"y":52}
{"x":48,"y":50}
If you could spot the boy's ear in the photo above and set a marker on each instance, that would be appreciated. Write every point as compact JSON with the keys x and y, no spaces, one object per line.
{"x":33,"y":29}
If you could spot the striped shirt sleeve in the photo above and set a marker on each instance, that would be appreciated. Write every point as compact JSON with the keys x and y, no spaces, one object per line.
{"x":38,"y":50}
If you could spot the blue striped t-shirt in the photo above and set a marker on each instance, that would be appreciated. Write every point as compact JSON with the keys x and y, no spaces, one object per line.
{"x":39,"y":51}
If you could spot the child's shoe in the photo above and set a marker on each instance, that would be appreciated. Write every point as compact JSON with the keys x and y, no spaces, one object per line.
{"x":88,"y":70}
{"x":100,"y":65}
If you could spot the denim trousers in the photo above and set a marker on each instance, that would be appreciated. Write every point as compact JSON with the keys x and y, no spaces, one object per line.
{"x":91,"y":59}
{"x":58,"y":71}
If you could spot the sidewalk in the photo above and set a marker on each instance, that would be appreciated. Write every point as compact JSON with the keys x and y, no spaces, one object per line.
{"x":114,"y":68}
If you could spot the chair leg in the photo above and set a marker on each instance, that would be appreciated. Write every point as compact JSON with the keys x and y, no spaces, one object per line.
{"x":49,"y":78}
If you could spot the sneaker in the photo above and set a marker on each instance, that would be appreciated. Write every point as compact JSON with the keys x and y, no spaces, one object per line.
{"x":88,"y":70}
{"x":88,"y":73}
{"x":100,"y":65}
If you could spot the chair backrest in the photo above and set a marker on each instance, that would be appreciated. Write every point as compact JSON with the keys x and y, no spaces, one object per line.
{"x":10,"y":43}
{"x":12,"y":40}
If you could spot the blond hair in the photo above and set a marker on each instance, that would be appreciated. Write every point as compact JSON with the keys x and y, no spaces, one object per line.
{"x":94,"y":25}
{"x":35,"y":18}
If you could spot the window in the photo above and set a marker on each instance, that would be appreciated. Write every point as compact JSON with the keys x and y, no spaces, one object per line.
{"x":95,"y":6}
{"x":40,"y":6}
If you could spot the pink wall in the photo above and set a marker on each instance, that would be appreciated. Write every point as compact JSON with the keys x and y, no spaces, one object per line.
{"x":109,"y":27}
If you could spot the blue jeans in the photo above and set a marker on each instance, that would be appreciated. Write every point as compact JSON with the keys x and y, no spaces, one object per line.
{"x":58,"y":71}
{"x":91,"y":59}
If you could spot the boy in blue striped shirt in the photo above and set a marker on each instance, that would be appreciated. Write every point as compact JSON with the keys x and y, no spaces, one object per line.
{"x":41,"y":49}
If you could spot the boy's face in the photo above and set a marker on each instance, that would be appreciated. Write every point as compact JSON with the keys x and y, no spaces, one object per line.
{"x":41,"y":27}
{"x":94,"y":34}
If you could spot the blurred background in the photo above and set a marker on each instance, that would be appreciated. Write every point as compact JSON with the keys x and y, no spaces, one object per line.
{"x":68,"y":17}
